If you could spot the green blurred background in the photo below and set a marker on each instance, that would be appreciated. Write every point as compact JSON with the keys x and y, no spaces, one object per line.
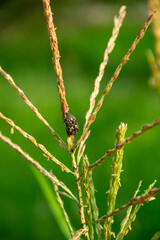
{"x":83,"y":29}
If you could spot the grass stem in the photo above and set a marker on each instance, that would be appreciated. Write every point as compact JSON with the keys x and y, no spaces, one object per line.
{"x":110,"y":152}
{"x":50,"y":176}
{"x":56,"y":56}
{"x":34,"y":109}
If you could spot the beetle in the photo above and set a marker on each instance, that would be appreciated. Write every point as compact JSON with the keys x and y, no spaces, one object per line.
{"x":71,"y":124}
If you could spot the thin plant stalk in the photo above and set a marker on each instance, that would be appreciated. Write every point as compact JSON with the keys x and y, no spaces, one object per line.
{"x":33,"y":140}
{"x":64,"y":105}
{"x":115,"y":181}
{"x":118,"y":21}
{"x":110,"y":46}
{"x":125,"y":59}
{"x":56,"y":55}
{"x":132,"y":216}
{"x":35,"y":110}
{"x":110,"y":152}
{"x":146,"y":197}
{"x":123,"y":62}
{"x":87,"y":198}
{"x":82,"y":147}
{"x":50,"y":176}
{"x":91,"y":205}
{"x":98,"y":227}
{"x":79,"y":192}
{"x":57,"y":66}
{"x":125,"y":225}
{"x":117,"y":25}
{"x":79,"y":233}
{"x":59,"y":199}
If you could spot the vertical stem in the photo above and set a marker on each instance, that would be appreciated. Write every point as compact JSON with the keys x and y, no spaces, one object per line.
{"x":79,"y":191}
{"x":115,"y":181}
{"x":87,"y":197}
{"x":56,"y":55}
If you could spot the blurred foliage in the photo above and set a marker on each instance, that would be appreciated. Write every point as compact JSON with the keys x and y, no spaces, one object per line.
{"x":25,"y":54}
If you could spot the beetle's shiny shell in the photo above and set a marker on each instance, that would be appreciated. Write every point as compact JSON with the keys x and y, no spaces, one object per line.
{"x":71,"y":124}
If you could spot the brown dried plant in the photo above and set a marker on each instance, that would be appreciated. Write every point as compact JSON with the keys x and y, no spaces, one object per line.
{"x":85,"y":199}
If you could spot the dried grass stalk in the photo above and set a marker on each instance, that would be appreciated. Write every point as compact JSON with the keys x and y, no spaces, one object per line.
{"x":118,"y":21}
{"x":35,"y":110}
{"x":146,"y":197}
{"x":114,"y":77}
{"x":79,"y":233}
{"x":50,"y":176}
{"x":33,"y":140}
{"x":126,"y":223}
{"x":110,"y":152}
{"x":56,"y":56}
{"x":117,"y":72}
{"x":111,"y":43}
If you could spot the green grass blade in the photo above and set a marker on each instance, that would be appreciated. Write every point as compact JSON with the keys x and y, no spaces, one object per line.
{"x":52,"y":203}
